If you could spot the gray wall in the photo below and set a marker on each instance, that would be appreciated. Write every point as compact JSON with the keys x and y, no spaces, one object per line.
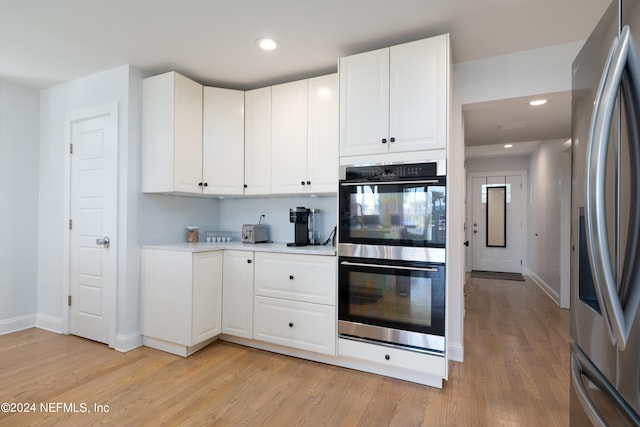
{"x":492,"y":164}
{"x":544,"y":225}
{"x":235,"y":212}
{"x":19,"y":113}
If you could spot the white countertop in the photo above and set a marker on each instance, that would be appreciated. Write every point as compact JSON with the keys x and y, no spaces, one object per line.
{"x":239,"y":246}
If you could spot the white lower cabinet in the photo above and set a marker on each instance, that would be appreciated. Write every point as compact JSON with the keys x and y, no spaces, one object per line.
{"x":408,"y":365}
{"x":181,"y":299}
{"x":237,"y":294}
{"x":295,"y":301}
{"x":306,"y":278}
{"x":295,"y":324}
{"x":393,"y":357}
{"x":281,"y":302}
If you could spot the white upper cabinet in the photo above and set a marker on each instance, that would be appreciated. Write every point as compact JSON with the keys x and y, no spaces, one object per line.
{"x":395,"y":99}
{"x":289,"y":137}
{"x":322,"y":134}
{"x":171,"y":134}
{"x":223,"y":141}
{"x":304,"y":151}
{"x":280,"y":139}
{"x":364,"y":103}
{"x":257,"y":151}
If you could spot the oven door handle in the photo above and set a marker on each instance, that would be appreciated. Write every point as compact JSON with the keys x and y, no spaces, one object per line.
{"x":397,"y":267}
{"x":425,"y":181}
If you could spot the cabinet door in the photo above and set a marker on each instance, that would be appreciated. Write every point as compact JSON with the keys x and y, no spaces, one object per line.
{"x":171,"y":134}
{"x":310,"y":278}
{"x":237,"y":294}
{"x":188,"y":136}
{"x":296,"y":324}
{"x":364,"y":103}
{"x":166,"y":295}
{"x":289,"y":138}
{"x":322,"y":134}
{"x":223,"y":141}
{"x":418,"y":95}
{"x":257,"y":166}
{"x":207,"y":296}
{"x":395,"y":357}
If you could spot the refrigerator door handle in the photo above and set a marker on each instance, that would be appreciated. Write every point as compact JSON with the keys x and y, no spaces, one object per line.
{"x":593,"y":243}
{"x":581,"y":366}
{"x":583,"y":396}
{"x":597,"y":241}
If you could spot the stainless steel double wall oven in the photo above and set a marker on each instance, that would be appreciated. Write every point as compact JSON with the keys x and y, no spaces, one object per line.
{"x":392,"y":228}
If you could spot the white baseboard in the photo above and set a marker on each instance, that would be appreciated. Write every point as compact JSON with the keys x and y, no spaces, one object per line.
{"x":455,"y":352}
{"x":551,"y":293}
{"x":49,"y":323}
{"x":127,"y":342}
{"x":16,"y":324}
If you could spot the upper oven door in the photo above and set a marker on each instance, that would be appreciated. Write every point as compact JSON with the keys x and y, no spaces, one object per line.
{"x":409,"y":212}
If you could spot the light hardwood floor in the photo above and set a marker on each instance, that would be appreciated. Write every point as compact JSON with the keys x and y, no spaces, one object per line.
{"x":516,"y":373}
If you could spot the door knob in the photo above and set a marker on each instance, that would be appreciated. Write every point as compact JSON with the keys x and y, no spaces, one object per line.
{"x":103,"y":241}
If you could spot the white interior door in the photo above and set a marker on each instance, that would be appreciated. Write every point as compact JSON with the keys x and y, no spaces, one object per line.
{"x":506,"y":259}
{"x":93,"y":225}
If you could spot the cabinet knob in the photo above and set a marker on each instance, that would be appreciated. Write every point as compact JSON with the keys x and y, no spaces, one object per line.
{"x":308,"y":182}
{"x":302,"y":182}
{"x":392,"y":139}
{"x":206,"y":184}
{"x":245,"y":186}
{"x":291,"y":277}
{"x":248,"y":261}
{"x":384,"y":140}
{"x":387,"y":357}
{"x":291,"y":324}
{"x":199,"y":184}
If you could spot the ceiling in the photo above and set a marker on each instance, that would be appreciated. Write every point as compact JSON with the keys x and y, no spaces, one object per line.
{"x":489,"y":126}
{"x":46,"y":42}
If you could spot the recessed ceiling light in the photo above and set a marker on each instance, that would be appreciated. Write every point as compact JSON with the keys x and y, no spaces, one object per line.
{"x":508,"y":145}
{"x":267,"y":43}
{"x":537,"y":102}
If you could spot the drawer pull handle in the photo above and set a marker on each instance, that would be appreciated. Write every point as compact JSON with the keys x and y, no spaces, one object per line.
{"x":291,"y":324}
{"x":290,"y":277}
{"x":387,"y":357}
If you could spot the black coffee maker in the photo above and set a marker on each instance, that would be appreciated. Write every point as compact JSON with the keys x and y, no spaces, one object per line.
{"x":300,"y":218}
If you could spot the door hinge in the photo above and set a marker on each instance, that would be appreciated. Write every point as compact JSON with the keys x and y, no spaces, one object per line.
{"x":70,"y":224}
{"x":69,"y":299}
{"x":70,"y":148}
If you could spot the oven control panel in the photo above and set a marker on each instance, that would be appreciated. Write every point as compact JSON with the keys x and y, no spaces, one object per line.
{"x":392,"y":172}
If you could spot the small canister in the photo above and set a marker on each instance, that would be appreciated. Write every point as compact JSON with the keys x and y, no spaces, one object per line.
{"x":192,"y":234}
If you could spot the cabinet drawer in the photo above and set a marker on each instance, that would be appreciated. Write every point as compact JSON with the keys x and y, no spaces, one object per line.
{"x":308,"y":278}
{"x":390,"y":356}
{"x":301,"y":325}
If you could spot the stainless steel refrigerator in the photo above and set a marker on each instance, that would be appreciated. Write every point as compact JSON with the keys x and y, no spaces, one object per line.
{"x":605,"y":228}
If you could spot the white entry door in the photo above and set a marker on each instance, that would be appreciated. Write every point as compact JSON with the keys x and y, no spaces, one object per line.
{"x":506,"y":259}
{"x":93,"y":223}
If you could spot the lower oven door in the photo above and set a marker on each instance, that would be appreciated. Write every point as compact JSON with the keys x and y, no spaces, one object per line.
{"x":392,"y":302}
